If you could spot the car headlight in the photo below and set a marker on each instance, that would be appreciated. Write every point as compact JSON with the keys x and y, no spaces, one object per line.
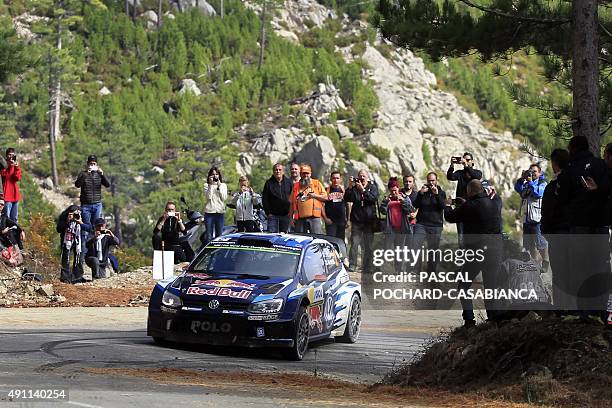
{"x":266,"y":306}
{"x":171,"y":300}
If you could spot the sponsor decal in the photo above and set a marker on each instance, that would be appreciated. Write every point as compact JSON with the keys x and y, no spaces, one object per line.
{"x":260,"y":332}
{"x":213,"y":304}
{"x":328,"y":311}
{"x":263,"y":317}
{"x":167,"y":309}
{"x":315,"y":295}
{"x":233,"y":312}
{"x":221,"y":292}
{"x":315,"y":318}
{"x":210,"y":327}
{"x":224,"y":283}
{"x":192,"y":309}
{"x":197,"y":275}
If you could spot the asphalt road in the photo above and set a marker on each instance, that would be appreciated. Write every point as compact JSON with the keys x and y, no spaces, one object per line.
{"x":50,"y":349}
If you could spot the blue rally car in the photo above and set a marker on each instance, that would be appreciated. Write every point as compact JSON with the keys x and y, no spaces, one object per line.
{"x":259,"y":290}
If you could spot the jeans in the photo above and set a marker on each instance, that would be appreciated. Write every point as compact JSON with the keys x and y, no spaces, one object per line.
{"x":361,"y":236}
{"x":98,"y":270}
{"x":336,"y":230}
{"x":312,"y":225}
{"x":532,"y":237}
{"x":89,"y":214}
{"x":432,"y":234}
{"x":11,"y":209}
{"x":214,"y":225}
{"x":278,"y":223}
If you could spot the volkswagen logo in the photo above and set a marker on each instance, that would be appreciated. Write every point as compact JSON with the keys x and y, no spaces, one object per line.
{"x":213,"y":304}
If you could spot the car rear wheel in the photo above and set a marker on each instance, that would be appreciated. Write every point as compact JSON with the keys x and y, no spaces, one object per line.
{"x":353,"y":323}
{"x":300,"y":336}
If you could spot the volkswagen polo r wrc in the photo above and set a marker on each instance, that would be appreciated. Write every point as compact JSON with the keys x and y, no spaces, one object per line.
{"x":259,"y":290}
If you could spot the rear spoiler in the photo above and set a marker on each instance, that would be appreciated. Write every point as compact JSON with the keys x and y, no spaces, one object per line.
{"x":336,"y":242}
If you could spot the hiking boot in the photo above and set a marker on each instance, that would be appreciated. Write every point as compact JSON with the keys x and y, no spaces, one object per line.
{"x":469,"y":323}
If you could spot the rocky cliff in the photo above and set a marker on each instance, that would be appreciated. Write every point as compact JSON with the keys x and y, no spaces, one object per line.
{"x":420,"y":126}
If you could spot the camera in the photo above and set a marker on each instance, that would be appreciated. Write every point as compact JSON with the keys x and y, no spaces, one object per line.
{"x":456,"y":159}
{"x":76,"y":215}
{"x":215,"y":179}
{"x":529,"y":173}
{"x":12,"y":158}
{"x":171,"y":214}
{"x":454,"y":201}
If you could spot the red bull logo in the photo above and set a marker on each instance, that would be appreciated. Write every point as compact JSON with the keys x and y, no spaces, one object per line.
{"x":225,"y":283}
{"x":221,"y":292}
{"x":315,"y":317}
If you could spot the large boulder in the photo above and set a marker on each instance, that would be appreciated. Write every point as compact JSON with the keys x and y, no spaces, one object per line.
{"x":189,"y":86}
{"x":320,"y":154}
{"x":185,"y":5}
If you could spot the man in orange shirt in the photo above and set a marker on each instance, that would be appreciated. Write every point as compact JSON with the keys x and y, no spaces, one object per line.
{"x":307,"y":201}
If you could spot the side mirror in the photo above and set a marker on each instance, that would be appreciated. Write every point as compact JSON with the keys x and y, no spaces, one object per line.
{"x":320,"y":278}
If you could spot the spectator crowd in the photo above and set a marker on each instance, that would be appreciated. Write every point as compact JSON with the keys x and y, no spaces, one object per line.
{"x":577,"y":201}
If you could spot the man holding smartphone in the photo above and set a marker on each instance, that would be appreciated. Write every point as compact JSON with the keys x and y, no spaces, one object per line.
{"x":11,"y":175}
{"x":167,"y":232}
{"x":462,"y":177}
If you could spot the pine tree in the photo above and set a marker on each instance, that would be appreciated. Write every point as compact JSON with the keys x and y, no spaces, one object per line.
{"x":576,"y":34}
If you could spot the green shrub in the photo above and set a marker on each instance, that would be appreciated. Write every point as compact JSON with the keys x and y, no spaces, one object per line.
{"x":426,"y":155}
{"x":379,"y":152}
{"x":352,"y":151}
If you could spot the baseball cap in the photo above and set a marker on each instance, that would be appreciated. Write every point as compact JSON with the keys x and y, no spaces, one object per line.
{"x":486,"y":184}
{"x":304,"y":168}
{"x":99,"y":221}
{"x":92,"y":158}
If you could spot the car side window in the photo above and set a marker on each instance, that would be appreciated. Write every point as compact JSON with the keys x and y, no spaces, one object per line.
{"x":313,"y":263}
{"x":332,"y":261}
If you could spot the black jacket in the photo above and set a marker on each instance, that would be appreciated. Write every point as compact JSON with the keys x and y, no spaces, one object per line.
{"x":554,"y":217}
{"x":431,"y":207}
{"x":170,"y":231}
{"x":12,"y":237}
{"x":107,"y":242}
{"x":363,"y":210}
{"x":584,"y":208}
{"x":481,"y":218}
{"x":91,"y":184}
{"x":463,"y":177}
{"x":276,"y":195}
{"x":62,"y":223}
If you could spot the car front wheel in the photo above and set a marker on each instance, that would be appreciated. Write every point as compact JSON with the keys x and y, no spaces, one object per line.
{"x":300,"y":336}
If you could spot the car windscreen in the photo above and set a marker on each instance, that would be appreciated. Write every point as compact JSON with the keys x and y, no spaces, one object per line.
{"x":255,"y":261}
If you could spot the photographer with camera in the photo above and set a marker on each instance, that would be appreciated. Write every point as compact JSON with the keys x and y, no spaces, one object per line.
{"x":11,"y":175}
{"x":215,"y":193}
{"x":90,"y":181}
{"x":531,"y":187}
{"x":335,"y":214}
{"x":430,"y":201}
{"x":98,"y":249}
{"x":481,"y":215}
{"x":167,"y":231}
{"x":409,"y":191}
{"x":462,"y":177}
{"x":398,"y":208}
{"x":70,"y":226}
{"x":245,"y":201}
{"x":363,"y":194}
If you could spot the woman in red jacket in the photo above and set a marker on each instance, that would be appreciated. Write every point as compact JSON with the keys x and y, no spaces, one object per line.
{"x":10,"y":177}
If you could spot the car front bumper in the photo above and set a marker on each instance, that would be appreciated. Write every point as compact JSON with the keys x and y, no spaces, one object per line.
{"x":221,"y":330}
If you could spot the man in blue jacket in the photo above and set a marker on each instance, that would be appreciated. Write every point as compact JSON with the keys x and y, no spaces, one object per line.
{"x":531,"y":187}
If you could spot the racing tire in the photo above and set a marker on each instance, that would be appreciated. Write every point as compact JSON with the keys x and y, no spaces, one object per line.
{"x":353,"y":322}
{"x":301,"y":331}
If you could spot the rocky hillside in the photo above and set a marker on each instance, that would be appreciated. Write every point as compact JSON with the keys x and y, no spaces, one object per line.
{"x":419,"y":126}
